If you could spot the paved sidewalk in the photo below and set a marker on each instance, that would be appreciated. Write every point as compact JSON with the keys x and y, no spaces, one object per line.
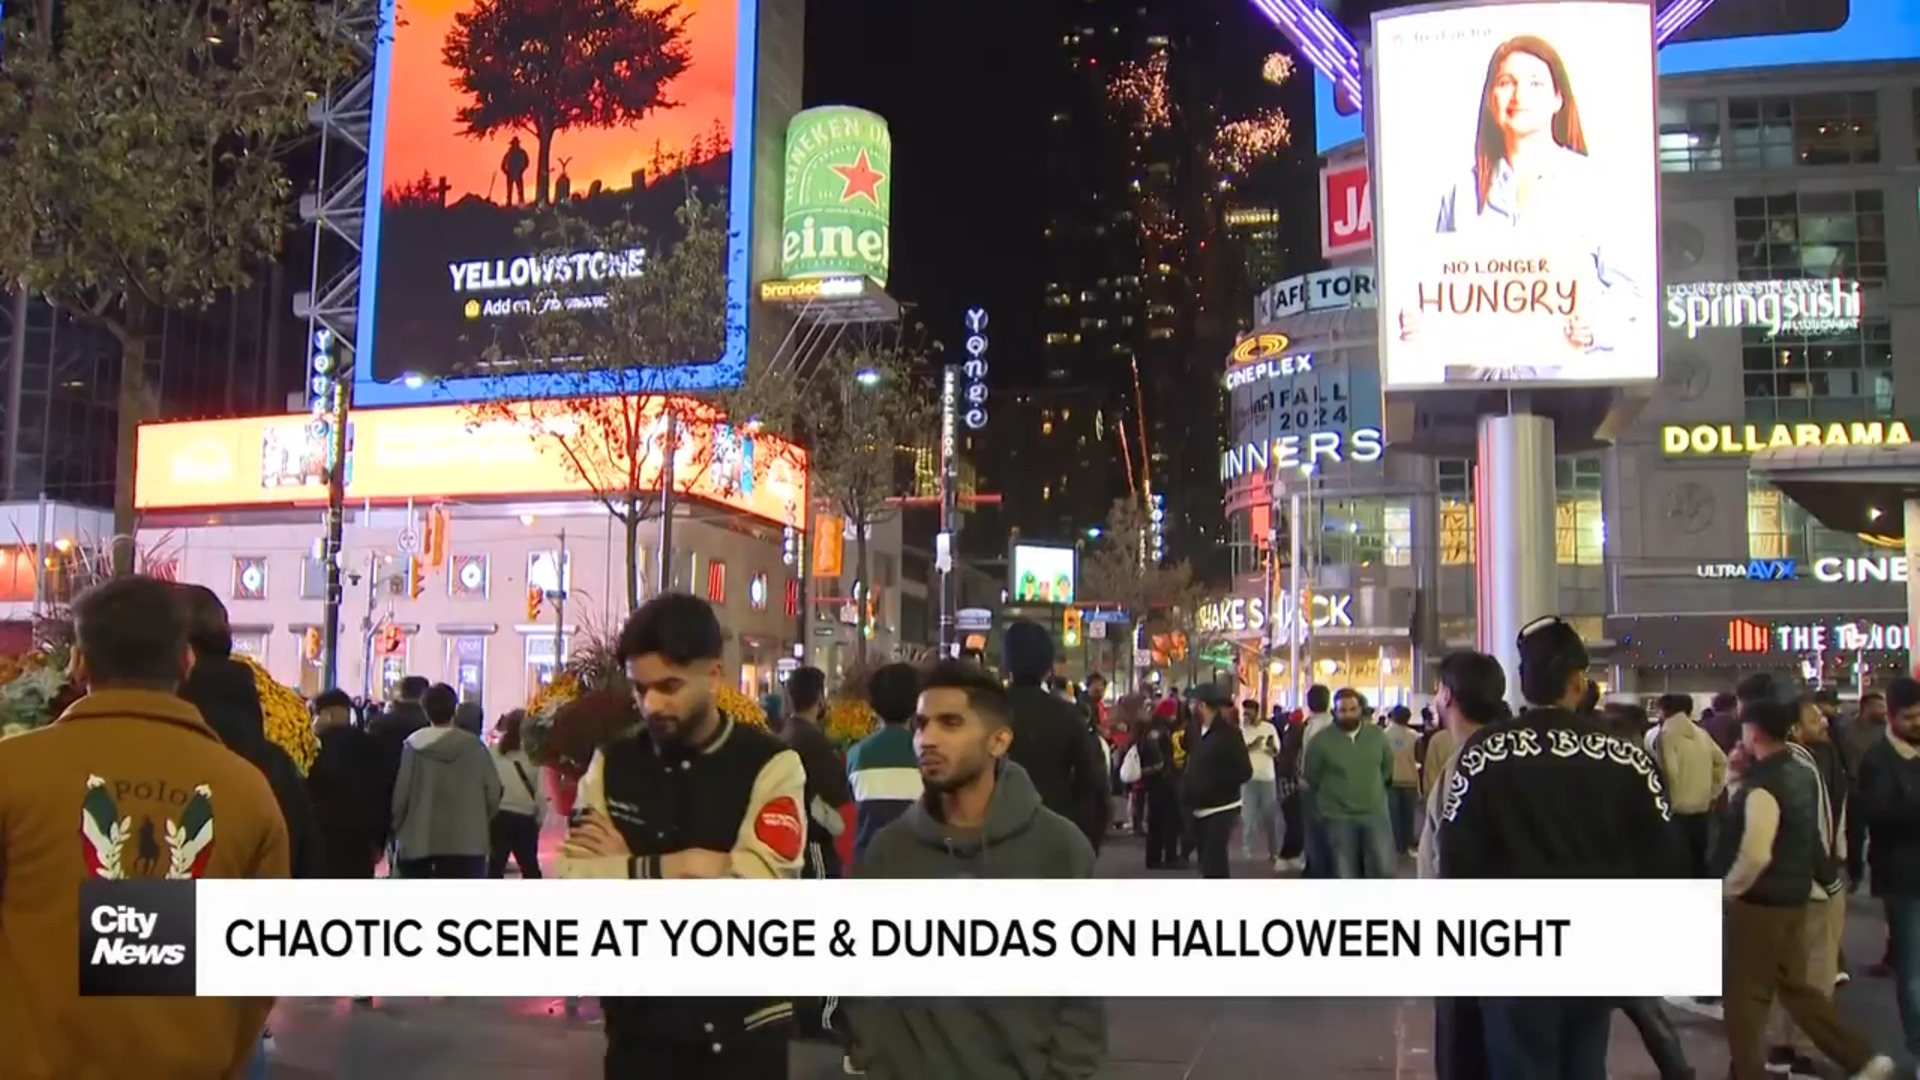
{"x":1237,"y":1039}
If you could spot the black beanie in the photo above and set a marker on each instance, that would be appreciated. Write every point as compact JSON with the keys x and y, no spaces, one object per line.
{"x":1027,"y":650}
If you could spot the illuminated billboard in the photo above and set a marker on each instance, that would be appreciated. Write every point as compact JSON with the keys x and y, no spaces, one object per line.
{"x":837,"y":196}
{"x":1809,"y":306}
{"x":1043,"y":574}
{"x":478,"y":123}
{"x":1745,"y":35}
{"x":429,"y":452}
{"x":1516,"y":195}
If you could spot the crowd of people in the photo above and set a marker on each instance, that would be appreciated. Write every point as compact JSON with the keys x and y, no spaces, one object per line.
{"x":1790,"y":805}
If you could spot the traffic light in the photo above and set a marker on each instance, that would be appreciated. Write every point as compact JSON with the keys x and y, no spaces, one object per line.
{"x":416,"y":576}
{"x":437,"y":537}
{"x":535,"y":600}
{"x":311,"y":643}
{"x":1070,"y":622}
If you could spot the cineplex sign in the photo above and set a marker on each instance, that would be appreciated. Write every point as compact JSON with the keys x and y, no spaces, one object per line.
{"x":1244,"y":615}
{"x":1752,"y":438}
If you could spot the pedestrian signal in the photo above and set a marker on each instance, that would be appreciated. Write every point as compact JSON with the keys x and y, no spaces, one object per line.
{"x":416,"y":576}
{"x":535,"y":600}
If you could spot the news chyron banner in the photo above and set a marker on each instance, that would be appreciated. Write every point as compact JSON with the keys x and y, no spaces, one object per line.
{"x":1516,"y":195}
{"x":734,"y":938}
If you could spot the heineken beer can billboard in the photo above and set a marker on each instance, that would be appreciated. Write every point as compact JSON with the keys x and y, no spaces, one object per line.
{"x":838,"y":194}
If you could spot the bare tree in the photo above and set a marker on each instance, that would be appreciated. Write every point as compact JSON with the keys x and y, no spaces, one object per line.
{"x":616,"y":312}
{"x":1120,"y":569}
{"x":867,"y":407}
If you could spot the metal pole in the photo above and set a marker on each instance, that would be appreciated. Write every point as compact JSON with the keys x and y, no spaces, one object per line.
{"x":560,"y":606}
{"x":367,"y":624}
{"x":665,"y":575}
{"x":1292,"y":607}
{"x":336,"y":529}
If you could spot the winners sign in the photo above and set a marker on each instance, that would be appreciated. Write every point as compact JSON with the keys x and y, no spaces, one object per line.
{"x":838,"y":199}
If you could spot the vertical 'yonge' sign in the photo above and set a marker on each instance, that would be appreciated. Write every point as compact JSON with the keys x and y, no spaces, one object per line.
{"x":838,"y":196}
{"x":974,"y":393}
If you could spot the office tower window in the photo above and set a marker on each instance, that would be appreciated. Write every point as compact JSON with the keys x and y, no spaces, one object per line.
{"x":1812,"y":234}
{"x":1844,"y":375}
{"x":1690,"y":136}
{"x":1807,"y":129}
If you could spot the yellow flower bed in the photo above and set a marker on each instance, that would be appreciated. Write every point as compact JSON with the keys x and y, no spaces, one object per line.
{"x":850,"y":721}
{"x":742,"y":708}
{"x":288,"y":723}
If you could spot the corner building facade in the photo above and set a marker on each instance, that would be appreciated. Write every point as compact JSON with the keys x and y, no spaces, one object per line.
{"x":1791,"y":183}
{"x":1786,"y":182}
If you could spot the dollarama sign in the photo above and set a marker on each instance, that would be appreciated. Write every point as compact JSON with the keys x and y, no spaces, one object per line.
{"x":839,"y":186}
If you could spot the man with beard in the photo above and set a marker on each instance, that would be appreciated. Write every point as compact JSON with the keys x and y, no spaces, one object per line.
{"x":1552,"y":795}
{"x":1888,"y":797}
{"x":693,"y":794}
{"x":979,"y":818}
{"x":1349,"y":767}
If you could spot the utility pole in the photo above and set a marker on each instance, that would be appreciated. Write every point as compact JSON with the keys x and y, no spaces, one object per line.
{"x":947,"y":541}
{"x":560,"y":606}
{"x":666,"y":500}
{"x":332,"y":408}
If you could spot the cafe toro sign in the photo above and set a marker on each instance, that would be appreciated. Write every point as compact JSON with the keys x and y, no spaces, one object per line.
{"x":1715,"y":439}
{"x":1247,"y":616}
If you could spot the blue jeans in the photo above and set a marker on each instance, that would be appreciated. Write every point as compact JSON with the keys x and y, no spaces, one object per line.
{"x":1319,"y":852}
{"x":1536,"y":1038}
{"x":1362,"y":847}
{"x":1903,"y":947}
{"x":1404,"y":804}
{"x":257,"y":1068}
{"x":1259,"y":816}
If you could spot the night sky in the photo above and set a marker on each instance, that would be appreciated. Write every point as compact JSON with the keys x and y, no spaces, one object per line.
{"x":947,"y":75}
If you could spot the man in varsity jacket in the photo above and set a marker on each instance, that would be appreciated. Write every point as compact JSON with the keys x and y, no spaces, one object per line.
{"x":692,"y":794}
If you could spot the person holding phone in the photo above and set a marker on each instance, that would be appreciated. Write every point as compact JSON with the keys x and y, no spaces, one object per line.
{"x":690,"y":794}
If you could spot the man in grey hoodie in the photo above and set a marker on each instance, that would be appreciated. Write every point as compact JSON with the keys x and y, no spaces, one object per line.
{"x":444,"y":797}
{"x":980,"y":817}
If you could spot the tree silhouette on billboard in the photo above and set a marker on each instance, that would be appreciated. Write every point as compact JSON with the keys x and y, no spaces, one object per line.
{"x":544,"y":66}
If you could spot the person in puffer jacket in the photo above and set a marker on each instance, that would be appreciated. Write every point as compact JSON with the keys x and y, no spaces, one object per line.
{"x":1695,"y":770}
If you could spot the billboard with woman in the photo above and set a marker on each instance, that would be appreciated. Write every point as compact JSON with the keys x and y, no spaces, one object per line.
{"x":1516,"y":194}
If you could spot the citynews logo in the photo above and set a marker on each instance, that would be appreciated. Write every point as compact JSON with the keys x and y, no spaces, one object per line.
{"x":136,"y":938}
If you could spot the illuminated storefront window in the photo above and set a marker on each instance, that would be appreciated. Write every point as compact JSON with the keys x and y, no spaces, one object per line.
{"x":1579,"y":528}
{"x":1779,"y":528}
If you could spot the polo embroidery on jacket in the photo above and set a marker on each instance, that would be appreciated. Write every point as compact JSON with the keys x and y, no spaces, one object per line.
{"x":105,"y":836}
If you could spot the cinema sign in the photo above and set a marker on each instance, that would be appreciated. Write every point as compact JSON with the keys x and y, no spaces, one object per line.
{"x":1714,"y":439}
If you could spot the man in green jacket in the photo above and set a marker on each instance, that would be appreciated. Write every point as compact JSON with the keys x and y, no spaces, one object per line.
{"x":1349,"y":766}
{"x":980,"y":817}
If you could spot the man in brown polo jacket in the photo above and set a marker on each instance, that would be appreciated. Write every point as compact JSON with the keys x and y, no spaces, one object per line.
{"x":128,"y":783}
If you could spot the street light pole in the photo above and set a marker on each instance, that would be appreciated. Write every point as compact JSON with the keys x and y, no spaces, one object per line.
{"x":340,"y":397}
{"x":947,"y":542}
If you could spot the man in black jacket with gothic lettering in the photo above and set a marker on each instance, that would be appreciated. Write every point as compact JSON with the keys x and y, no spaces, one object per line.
{"x":1551,"y":794}
{"x":691,"y":795}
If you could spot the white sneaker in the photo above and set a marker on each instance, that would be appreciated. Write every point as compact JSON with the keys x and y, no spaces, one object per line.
{"x":1880,"y":1068}
{"x":848,"y":1068}
{"x":1712,"y":1010}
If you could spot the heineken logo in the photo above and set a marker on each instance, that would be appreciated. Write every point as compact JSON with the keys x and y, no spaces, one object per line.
{"x":836,"y":206}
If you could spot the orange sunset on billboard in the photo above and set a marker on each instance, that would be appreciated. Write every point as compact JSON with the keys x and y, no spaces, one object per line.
{"x":495,"y":109}
{"x":439,"y":452}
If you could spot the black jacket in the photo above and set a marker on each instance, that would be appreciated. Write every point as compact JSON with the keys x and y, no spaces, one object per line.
{"x":1551,"y":795}
{"x":222,"y":689}
{"x":391,"y":730}
{"x":348,"y":786}
{"x":1798,"y":856}
{"x":1217,"y":764}
{"x":1052,"y":742}
{"x":1887,"y":800}
{"x":826,"y":777}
